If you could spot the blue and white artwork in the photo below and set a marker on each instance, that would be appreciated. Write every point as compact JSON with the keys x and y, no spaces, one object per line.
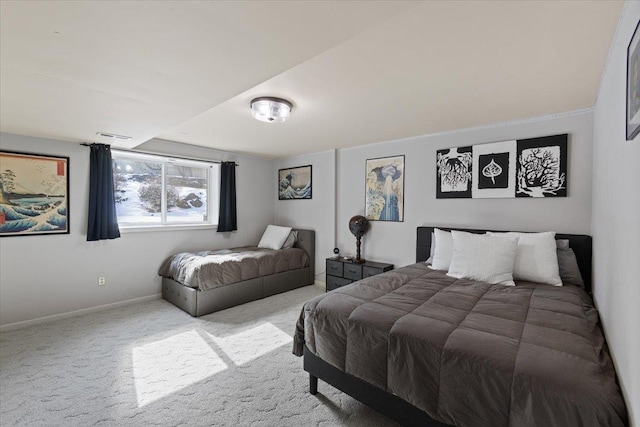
{"x":295,"y":183}
{"x":384,"y":194}
{"x":34,"y":194}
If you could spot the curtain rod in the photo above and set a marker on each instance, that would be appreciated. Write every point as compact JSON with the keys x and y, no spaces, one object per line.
{"x":164,"y":155}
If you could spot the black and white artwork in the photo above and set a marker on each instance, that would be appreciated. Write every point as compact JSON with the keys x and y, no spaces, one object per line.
{"x":492,"y":171}
{"x":494,"y":167}
{"x":535,"y":167}
{"x":542,"y":167}
{"x":453,"y":173}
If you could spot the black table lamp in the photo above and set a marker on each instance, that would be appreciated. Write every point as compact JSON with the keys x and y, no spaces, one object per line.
{"x":358,"y":225}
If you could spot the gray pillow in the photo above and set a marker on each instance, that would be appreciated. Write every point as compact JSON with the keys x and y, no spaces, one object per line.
{"x":568,"y":264}
{"x":432,"y":251}
{"x":292,"y":238}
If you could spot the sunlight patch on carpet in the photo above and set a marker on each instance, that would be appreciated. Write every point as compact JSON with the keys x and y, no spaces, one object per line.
{"x":248,"y":345}
{"x":163,"y":367}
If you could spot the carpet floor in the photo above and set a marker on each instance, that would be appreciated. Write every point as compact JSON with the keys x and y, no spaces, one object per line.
{"x":153,"y":364}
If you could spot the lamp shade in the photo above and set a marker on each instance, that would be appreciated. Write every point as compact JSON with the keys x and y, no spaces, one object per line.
{"x":268,"y":109}
{"x":358,"y":225}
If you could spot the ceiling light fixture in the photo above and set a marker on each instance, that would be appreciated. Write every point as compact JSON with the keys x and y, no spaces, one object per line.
{"x":269,"y":109}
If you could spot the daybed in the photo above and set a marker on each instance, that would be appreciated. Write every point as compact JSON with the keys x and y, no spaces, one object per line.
{"x":427,"y":349}
{"x":217,"y":294}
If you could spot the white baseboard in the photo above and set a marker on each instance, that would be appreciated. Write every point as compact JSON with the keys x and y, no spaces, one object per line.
{"x":321,"y":284}
{"x":47,"y":319}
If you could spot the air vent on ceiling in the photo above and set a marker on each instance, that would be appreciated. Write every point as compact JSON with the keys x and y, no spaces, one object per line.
{"x":114,"y":136}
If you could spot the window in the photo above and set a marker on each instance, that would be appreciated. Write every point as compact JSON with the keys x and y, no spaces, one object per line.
{"x":156,"y":191}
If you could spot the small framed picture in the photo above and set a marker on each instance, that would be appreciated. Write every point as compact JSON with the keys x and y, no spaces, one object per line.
{"x":295,"y":183}
{"x":633,"y":85}
{"x":34,"y":194}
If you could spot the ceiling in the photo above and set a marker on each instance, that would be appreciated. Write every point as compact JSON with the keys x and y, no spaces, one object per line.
{"x":357,"y":72}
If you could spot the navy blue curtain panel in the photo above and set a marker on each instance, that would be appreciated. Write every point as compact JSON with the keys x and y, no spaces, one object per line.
{"x":227,"y":217}
{"x":102,"y":221}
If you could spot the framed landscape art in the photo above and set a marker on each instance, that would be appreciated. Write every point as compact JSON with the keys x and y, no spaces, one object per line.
{"x":34,"y":194}
{"x":295,"y":183}
{"x":384,"y":193}
{"x":633,"y":85}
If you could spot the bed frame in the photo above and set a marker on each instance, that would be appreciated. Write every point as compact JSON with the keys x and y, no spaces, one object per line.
{"x":199,"y":303}
{"x":387,"y":403}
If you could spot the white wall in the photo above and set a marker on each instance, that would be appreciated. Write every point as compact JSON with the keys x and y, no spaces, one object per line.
{"x":53,"y":274}
{"x":395,"y":242}
{"x":616,"y":217}
{"x":318,"y":213}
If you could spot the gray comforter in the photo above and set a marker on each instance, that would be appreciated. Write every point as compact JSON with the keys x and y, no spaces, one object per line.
{"x":209,"y":269}
{"x":470,"y":353}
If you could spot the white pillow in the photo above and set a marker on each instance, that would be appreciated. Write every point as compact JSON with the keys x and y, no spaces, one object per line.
{"x":291,"y":240}
{"x":483,"y":257}
{"x":444,"y":250}
{"x":274,"y":237}
{"x":536,"y":257}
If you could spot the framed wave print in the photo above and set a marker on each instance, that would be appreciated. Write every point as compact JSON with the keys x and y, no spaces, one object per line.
{"x":295,"y":183}
{"x":34,"y":194}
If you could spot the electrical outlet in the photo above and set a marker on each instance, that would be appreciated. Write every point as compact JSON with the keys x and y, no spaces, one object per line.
{"x":102,"y":281}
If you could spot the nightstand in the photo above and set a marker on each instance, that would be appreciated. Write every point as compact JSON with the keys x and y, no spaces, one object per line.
{"x":341,"y":272}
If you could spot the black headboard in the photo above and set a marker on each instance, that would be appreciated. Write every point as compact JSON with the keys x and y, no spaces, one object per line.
{"x":580,"y":243}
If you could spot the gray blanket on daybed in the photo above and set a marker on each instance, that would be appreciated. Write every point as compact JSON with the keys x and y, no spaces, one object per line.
{"x":209,"y":269}
{"x":470,"y":353}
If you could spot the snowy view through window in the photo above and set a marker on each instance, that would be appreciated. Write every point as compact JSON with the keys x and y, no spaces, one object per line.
{"x":139,"y":189}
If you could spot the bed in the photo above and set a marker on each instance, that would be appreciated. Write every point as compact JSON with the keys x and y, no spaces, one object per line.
{"x":200,"y":296}
{"x":426,"y":349}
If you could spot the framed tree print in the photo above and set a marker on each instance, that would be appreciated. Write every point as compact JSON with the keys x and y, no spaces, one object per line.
{"x":34,"y":194}
{"x":453,"y":173}
{"x":542,"y":167}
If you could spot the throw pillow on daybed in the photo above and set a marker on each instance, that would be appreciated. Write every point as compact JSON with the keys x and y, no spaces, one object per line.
{"x":291,"y":240}
{"x":274,"y":237}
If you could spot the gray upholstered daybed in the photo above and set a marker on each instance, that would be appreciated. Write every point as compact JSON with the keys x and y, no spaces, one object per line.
{"x":199,"y":302}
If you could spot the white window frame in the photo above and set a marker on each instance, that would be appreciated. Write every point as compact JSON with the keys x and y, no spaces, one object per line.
{"x":213,"y":192}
